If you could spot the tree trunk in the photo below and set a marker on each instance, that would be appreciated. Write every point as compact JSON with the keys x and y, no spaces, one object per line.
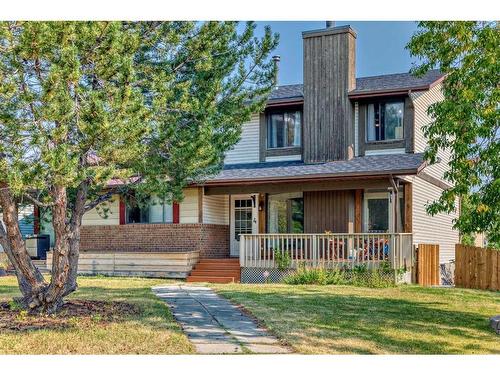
{"x":37,"y":295}
{"x":30,"y":280}
{"x":74,"y":239}
{"x":53,"y":298}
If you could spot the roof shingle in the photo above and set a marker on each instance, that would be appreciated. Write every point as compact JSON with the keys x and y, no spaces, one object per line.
{"x":400,"y":81}
{"x":366,"y":165}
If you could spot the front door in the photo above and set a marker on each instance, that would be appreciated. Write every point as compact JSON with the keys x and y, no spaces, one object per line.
{"x":244,"y":219}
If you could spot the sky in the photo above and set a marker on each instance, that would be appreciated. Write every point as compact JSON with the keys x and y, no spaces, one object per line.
{"x":380,"y":46}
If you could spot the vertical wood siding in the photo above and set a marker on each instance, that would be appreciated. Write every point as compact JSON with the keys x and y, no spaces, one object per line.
{"x":432,"y":229}
{"x":329,"y":74}
{"x":188,"y":208}
{"x":327,"y":211}
{"x":356,"y":129}
{"x":216,"y":209}
{"x":247,"y":149}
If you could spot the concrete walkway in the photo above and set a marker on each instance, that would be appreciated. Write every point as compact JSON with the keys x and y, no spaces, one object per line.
{"x":213,"y":324}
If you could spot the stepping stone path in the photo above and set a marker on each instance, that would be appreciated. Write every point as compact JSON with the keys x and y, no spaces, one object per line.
{"x":214,"y":325}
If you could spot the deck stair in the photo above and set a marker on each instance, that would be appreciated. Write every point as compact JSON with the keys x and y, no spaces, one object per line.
{"x":222,"y":271}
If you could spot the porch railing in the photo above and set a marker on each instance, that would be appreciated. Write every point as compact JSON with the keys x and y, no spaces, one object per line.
{"x":339,"y":250}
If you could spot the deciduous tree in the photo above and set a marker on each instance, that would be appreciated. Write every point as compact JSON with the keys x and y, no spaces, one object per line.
{"x":466,"y":122}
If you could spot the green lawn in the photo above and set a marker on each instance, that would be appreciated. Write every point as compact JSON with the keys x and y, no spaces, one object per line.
{"x":346,"y":319}
{"x":152,"y":331}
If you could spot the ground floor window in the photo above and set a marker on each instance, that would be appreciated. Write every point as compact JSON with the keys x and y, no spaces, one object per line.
{"x":285,"y":213}
{"x":155,"y":210}
{"x":378,"y":216}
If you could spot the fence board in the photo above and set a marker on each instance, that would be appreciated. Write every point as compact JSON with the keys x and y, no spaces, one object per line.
{"x":428,"y":264}
{"x":477,"y":267}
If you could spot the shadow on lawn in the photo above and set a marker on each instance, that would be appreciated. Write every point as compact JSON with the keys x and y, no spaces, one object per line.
{"x":152,"y":311}
{"x":393,"y":325}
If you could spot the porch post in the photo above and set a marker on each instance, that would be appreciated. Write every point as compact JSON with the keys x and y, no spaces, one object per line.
{"x":242,"y":250}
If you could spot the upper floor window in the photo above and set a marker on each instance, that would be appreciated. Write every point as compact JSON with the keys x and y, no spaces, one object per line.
{"x":284,"y":129}
{"x":385,"y":121}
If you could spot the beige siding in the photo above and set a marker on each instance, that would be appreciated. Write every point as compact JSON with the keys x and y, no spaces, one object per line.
{"x":97,"y":216}
{"x":216,"y":209}
{"x":432,"y":229}
{"x":296,"y":157}
{"x":422,"y":100}
{"x":247,"y":149}
{"x":188,"y":208}
{"x":385,"y":151}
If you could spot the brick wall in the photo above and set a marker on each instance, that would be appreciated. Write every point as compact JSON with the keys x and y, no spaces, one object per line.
{"x":210,"y":239}
{"x":215,"y":241}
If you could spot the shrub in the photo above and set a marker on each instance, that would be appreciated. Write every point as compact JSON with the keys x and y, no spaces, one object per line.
{"x":358,"y":276}
{"x":282,"y":259}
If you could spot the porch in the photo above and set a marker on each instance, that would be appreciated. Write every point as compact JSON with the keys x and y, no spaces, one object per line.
{"x":327,"y":250}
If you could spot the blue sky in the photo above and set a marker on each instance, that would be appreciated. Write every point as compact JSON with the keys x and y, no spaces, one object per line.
{"x":379,"y":46}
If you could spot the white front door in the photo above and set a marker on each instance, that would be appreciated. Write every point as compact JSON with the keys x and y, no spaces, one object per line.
{"x":244,"y":219}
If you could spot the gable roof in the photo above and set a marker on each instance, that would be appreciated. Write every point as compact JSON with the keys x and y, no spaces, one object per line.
{"x":388,"y":83}
{"x":396,"y":82}
{"x":375,"y":165}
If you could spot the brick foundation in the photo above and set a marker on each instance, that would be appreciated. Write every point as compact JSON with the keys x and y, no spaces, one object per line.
{"x":210,"y":239}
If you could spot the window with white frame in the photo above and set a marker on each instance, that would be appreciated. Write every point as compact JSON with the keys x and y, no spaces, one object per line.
{"x":285,"y":213}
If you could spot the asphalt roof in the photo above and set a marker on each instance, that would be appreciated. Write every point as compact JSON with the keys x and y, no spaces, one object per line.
{"x":359,"y":166}
{"x":400,"y":81}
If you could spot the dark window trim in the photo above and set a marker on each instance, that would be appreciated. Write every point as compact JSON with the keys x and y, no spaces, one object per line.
{"x":279,"y":151}
{"x":408,"y":127}
{"x":385,"y":101}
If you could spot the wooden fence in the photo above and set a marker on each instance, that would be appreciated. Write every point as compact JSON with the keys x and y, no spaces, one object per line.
{"x":428,"y":264}
{"x":477,"y":267}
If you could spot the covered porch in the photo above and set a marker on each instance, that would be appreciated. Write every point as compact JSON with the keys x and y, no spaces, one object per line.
{"x":327,"y":223}
{"x":334,"y":215}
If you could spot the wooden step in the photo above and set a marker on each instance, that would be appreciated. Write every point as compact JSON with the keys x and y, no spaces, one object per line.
{"x":216,"y":267}
{"x":215,"y":273}
{"x":211,"y":279}
{"x":219,"y":261}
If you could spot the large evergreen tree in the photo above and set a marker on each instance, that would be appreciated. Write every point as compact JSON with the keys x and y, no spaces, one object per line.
{"x":155,"y":104}
{"x":466,"y":122}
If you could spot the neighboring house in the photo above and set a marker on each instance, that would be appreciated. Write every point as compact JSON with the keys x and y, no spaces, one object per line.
{"x":336,"y":153}
{"x":26,"y":221}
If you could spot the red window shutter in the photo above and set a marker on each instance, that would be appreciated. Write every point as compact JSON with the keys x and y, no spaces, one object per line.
{"x":122,"y":211}
{"x":175,"y":209}
{"x":36,"y":220}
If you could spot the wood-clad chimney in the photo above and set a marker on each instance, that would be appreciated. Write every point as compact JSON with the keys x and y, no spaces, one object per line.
{"x":329,"y":75}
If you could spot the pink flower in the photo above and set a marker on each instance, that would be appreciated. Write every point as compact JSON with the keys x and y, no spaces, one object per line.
{"x":265,"y":274}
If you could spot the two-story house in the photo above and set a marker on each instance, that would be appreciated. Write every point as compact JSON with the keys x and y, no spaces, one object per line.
{"x":336,"y":154}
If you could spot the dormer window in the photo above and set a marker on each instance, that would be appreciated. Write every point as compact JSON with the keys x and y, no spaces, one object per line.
{"x":284,"y":129}
{"x":385,"y":121}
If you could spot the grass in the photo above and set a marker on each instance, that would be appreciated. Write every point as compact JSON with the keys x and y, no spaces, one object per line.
{"x":152,"y":331}
{"x":350,"y":320}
